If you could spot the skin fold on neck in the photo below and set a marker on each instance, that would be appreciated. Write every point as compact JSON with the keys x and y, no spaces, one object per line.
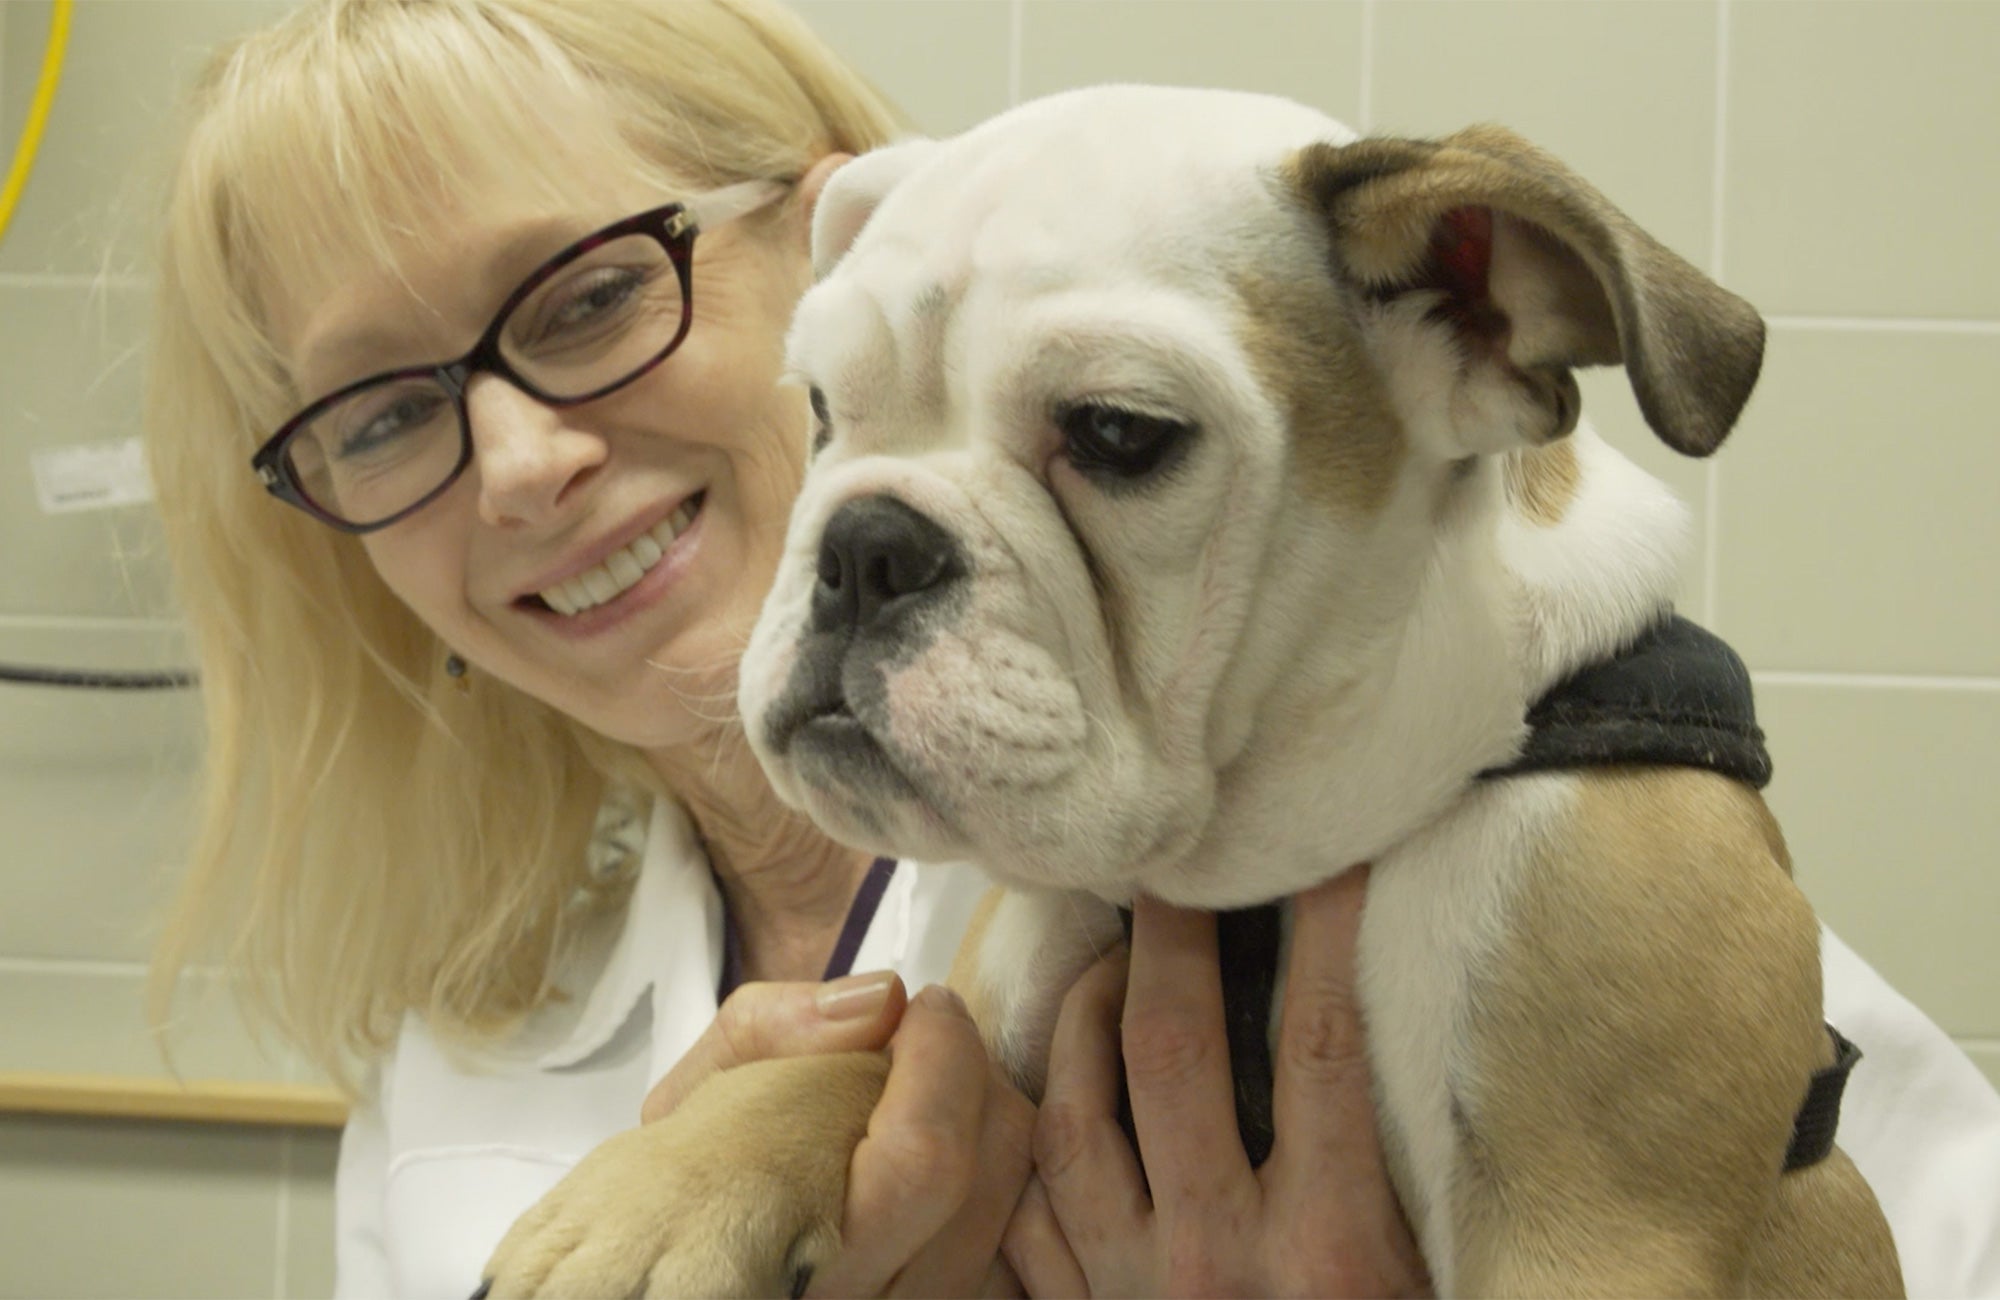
{"x":787,"y":885}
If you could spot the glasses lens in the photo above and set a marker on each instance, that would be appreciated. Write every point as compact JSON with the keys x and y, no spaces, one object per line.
{"x":598,"y":321}
{"x":380,"y":451}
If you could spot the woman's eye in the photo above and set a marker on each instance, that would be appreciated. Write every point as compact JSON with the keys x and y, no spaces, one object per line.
{"x":1116,"y":441}
{"x":381,"y":430}
{"x":592,"y":300}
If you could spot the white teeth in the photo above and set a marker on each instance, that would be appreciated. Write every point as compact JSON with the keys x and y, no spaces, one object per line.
{"x":625,"y":567}
{"x":620,"y":570}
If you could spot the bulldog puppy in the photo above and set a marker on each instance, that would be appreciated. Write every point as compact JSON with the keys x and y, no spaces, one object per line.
{"x":1199,"y":506}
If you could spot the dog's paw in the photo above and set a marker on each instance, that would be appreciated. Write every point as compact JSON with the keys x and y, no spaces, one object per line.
{"x":739,"y":1192}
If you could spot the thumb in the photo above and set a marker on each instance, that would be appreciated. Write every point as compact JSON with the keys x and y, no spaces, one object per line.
{"x":761,"y":1021}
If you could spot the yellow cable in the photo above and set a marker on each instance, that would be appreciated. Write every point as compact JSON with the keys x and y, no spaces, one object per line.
{"x":38,"y":113}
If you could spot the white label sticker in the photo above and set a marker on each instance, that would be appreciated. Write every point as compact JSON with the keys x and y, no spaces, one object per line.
{"x":91,"y":476}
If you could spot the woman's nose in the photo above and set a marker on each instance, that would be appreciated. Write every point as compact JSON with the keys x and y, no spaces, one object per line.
{"x":528,"y":459}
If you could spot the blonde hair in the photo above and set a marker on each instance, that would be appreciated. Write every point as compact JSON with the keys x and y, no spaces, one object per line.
{"x":371,"y":842}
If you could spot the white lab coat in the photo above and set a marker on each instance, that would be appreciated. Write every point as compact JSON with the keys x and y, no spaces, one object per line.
{"x":447,"y":1151}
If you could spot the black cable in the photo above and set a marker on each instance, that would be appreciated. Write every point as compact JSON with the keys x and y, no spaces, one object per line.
{"x":95,"y":680}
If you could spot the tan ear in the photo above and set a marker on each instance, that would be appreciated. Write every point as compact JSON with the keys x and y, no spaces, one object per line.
{"x":1540,"y":273}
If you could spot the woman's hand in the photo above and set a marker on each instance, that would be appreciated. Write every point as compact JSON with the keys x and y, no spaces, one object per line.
{"x":1319,"y":1218}
{"x":931,"y":1187}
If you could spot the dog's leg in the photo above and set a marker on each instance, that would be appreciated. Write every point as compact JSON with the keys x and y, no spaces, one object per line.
{"x":1021,"y":952}
{"x":738,"y":1192}
{"x":1826,"y":1237}
{"x":1639,"y":1049}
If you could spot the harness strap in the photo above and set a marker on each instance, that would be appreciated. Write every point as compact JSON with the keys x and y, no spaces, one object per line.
{"x":1819,"y":1117}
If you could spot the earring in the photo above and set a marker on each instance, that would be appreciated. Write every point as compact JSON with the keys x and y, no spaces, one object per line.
{"x":454,"y":668}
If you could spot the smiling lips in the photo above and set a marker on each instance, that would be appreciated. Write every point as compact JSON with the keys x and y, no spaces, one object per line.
{"x":623,"y":568}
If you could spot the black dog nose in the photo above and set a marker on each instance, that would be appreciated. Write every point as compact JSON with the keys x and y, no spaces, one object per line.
{"x":877,"y":558}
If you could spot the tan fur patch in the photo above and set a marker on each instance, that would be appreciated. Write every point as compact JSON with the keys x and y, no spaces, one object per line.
{"x":1541,"y":481}
{"x":759,"y":1158}
{"x":1346,"y":440}
{"x":1661,"y":913}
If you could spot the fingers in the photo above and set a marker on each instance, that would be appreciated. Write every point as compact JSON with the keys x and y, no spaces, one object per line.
{"x":916,"y":1166}
{"x":1348,"y":1233}
{"x":1086,"y":1171}
{"x":1177,"y":1059}
{"x":1322,"y":1106}
{"x":1000,"y":1283}
{"x":958,"y":1260}
{"x":1037,"y":1249}
{"x":759,"y":1021}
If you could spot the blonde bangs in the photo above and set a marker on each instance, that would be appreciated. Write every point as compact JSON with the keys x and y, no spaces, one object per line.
{"x":341,"y":146}
{"x":339,"y":139}
{"x":372,"y":841}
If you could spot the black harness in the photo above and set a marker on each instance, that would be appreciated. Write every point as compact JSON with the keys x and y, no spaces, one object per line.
{"x":1678,"y":697}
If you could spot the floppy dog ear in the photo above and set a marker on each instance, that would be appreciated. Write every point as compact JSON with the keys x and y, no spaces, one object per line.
{"x":1532,"y":272}
{"x":853,"y":194}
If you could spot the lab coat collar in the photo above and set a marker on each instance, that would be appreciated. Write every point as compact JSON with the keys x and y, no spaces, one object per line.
{"x":667,"y":943}
{"x":671,"y":926}
{"x":609,"y":965}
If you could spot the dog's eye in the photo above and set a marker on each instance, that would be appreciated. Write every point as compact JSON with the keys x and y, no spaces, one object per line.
{"x":822,"y":421}
{"x":1124,"y":443}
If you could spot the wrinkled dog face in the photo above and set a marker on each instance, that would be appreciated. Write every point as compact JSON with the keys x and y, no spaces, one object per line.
{"x":1143,"y":420}
{"x":1048,"y":472}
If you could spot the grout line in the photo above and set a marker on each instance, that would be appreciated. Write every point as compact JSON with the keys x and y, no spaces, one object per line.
{"x":1366,"y":112}
{"x":92,"y":968}
{"x":1884,"y":324}
{"x":281,"y":1282}
{"x":1876,"y":681}
{"x":68,"y":966}
{"x":71,"y":280}
{"x":1015,"y":22}
{"x":87,"y":623}
{"x":1721,"y":139}
{"x":1711,"y":478}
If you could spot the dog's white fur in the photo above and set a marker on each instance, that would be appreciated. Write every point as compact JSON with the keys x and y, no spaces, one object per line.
{"x":1500,"y":614}
{"x":1295,"y":650}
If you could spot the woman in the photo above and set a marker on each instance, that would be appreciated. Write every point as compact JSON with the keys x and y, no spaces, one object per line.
{"x":499,"y":602}
{"x":492,"y":621}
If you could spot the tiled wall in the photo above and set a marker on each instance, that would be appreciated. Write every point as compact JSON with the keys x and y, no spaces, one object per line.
{"x":92,"y":785}
{"x":1832,"y":161}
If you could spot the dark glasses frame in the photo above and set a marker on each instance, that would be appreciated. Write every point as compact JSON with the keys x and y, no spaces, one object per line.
{"x":674,"y":225}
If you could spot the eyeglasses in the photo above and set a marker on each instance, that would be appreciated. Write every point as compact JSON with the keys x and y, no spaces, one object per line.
{"x":592,"y":319}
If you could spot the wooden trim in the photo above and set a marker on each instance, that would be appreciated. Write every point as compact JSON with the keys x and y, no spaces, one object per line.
{"x":103,"y":1096}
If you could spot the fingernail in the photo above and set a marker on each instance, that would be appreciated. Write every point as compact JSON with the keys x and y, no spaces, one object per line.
{"x":942,"y":997}
{"x":855,"y":996}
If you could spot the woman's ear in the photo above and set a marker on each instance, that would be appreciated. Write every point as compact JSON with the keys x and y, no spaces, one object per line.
{"x":842,"y":208}
{"x":809,"y":188}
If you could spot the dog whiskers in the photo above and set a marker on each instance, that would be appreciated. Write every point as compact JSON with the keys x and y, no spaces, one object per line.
{"x":717,"y":708}
{"x":1098,"y":952}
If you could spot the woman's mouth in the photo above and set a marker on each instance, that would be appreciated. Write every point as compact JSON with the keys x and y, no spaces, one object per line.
{"x":622,"y":569}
